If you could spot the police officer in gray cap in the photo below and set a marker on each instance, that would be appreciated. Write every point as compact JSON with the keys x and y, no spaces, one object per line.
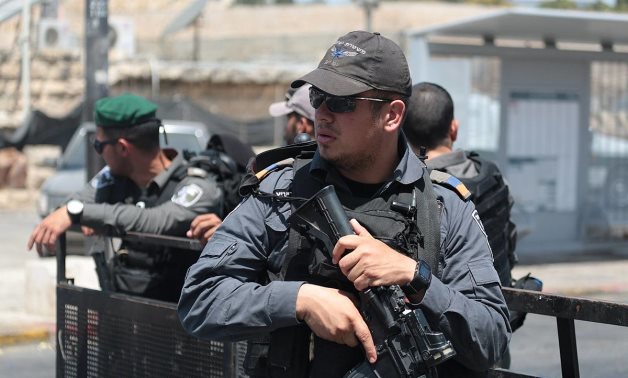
{"x":299,"y":113}
{"x":360,"y":91}
{"x":143,"y":188}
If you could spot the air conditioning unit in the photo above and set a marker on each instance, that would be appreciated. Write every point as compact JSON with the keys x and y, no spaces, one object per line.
{"x":54,"y":35}
{"x":122,"y":36}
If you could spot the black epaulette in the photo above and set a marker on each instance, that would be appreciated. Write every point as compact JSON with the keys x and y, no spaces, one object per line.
{"x":272,"y":160}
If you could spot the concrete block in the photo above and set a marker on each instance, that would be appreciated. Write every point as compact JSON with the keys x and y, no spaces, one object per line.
{"x":60,"y":71}
{"x":13,"y":168}
{"x":10,"y":86}
{"x":10,"y":70}
{"x":39,"y":287}
{"x":41,"y":282}
{"x":76,"y":70}
{"x":54,"y":88}
{"x":40,"y":69}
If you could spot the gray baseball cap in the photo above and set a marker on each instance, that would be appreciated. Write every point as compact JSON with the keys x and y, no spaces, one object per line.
{"x":299,"y":102}
{"x":360,"y":61}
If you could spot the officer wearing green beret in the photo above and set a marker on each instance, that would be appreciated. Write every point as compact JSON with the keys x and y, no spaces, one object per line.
{"x":143,"y":188}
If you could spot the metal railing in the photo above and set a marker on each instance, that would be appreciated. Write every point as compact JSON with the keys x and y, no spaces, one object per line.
{"x":104,"y":334}
{"x":108,"y":334}
{"x":566,"y":310}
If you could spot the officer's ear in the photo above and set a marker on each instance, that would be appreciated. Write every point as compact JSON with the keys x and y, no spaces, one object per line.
{"x":453,"y":130}
{"x":394,"y":116}
{"x":125,"y":146}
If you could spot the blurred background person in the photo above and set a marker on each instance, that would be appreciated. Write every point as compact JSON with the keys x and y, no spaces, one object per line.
{"x":299,"y":113}
{"x":227,"y":157}
{"x":143,"y":188}
{"x":430,"y":123}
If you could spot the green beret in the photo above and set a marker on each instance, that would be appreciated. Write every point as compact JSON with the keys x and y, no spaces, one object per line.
{"x":123,"y":111}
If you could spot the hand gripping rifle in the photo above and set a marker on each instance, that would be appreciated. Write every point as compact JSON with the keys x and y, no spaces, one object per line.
{"x":406,"y":345}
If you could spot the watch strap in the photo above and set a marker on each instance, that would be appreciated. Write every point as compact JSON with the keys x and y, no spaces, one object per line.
{"x":420,"y":281}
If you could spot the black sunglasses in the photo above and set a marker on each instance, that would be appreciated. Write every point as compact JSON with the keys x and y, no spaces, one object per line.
{"x":99,"y":145}
{"x":337,"y":104}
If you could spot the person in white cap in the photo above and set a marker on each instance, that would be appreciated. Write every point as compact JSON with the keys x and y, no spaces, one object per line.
{"x":300,"y":115}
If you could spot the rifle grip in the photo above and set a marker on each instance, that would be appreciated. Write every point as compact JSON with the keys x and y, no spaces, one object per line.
{"x":363,"y":370}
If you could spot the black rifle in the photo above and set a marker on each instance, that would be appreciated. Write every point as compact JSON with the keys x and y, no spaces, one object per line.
{"x":406,"y":345}
{"x":102,"y":271}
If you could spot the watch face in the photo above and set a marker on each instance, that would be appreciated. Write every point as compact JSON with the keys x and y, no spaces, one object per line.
{"x":75,"y":207}
{"x":425,"y":272}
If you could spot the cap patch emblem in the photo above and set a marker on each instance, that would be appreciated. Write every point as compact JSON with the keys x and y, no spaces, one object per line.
{"x":338,"y":52}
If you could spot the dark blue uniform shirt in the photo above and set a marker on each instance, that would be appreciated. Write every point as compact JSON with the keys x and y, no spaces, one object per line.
{"x":222,"y":298}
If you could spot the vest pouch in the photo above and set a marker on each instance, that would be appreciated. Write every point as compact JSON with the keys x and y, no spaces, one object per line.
{"x":256,"y":359}
{"x":328,"y":275}
{"x":333,"y":360}
{"x":162,"y":282}
{"x":289,"y":352}
{"x":397,"y":231}
{"x":137,"y":259}
{"x":323,"y":272}
{"x":133,"y":280}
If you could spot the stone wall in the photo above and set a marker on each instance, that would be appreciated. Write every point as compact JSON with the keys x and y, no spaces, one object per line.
{"x":56,"y":85}
{"x":248,"y":54}
{"x":248,"y":57}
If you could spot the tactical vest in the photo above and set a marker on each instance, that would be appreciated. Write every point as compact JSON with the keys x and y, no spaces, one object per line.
{"x":152,"y":272}
{"x":105,"y":193}
{"x":405,"y":217}
{"x":226,"y":158}
{"x":493,"y":202}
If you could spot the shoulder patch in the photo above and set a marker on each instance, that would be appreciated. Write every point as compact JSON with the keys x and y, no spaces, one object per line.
{"x":187,"y":195}
{"x":102,"y":179}
{"x":273,"y":167}
{"x":450,"y":182}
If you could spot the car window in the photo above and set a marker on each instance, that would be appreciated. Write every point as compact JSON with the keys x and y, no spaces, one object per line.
{"x":181,"y":142}
{"x":74,"y":155}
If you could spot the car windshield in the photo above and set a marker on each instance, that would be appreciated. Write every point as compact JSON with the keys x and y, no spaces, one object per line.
{"x":74,"y":155}
{"x":181,"y":142}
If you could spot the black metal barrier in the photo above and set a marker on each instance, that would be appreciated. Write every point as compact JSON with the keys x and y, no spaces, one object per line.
{"x":566,"y":310}
{"x":114,"y":335}
{"x":102,"y":334}
{"x":105,"y":334}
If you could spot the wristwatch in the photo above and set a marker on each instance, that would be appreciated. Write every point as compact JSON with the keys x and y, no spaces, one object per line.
{"x":75,"y":210}
{"x":421,"y":280}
